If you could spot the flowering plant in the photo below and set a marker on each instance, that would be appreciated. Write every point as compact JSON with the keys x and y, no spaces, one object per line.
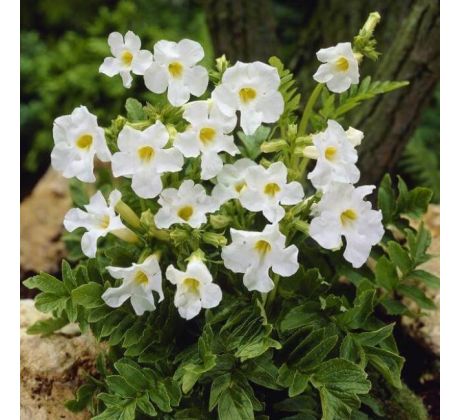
{"x":216,"y":272}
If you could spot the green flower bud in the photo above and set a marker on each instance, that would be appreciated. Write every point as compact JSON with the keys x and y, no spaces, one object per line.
{"x":219,"y":221}
{"x":214,"y":239}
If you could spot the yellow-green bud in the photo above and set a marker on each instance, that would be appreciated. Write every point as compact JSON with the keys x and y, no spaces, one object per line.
{"x":273,"y":146}
{"x":214,"y":239}
{"x":219,"y":221}
{"x":128,"y":214}
{"x":292,"y":131}
{"x":301,"y":226}
{"x":172,"y":132}
{"x":221,"y":63}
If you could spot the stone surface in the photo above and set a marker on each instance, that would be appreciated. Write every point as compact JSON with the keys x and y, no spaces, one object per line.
{"x":52,"y":368}
{"x":42,"y":214}
{"x":426,"y":329}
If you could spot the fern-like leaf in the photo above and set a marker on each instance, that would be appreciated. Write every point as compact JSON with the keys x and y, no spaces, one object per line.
{"x":288,"y":90}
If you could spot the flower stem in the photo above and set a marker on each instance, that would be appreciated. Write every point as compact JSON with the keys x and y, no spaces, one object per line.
{"x":271,"y":296}
{"x":309,"y":108}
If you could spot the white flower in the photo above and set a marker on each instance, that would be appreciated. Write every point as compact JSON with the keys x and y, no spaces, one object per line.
{"x":231,"y":180}
{"x":189,"y":204}
{"x":207,"y":135}
{"x":142,"y":156}
{"x":343,"y":211}
{"x":336,"y":156}
{"x":99,"y":220}
{"x":127,"y":57}
{"x":341,"y":68}
{"x":267,"y":189}
{"x":77,"y":138}
{"x":195,"y":289}
{"x":174,"y":68}
{"x":139,"y":281}
{"x":254,"y":253}
{"x":354,"y":136}
{"x":252,"y":89}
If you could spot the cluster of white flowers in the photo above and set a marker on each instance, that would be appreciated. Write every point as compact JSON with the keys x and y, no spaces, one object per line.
{"x":252,"y":91}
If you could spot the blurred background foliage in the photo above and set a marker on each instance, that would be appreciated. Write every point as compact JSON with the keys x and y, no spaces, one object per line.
{"x":63,"y":44}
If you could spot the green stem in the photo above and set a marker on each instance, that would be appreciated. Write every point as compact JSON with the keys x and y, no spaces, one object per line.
{"x":272,"y":295}
{"x":309,"y":108}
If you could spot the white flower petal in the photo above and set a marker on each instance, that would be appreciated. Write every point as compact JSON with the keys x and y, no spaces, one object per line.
{"x":110,"y":67}
{"x":211,"y":164}
{"x":132,"y":41}
{"x":122,"y":164}
{"x":326,"y":231}
{"x":196,"y":79}
{"x":170,"y":160}
{"x":292,"y":193}
{"x":225,"y":100}
{"x":191,"y":52}
{"x":116,"y":296}
{"x":116,"y":43}
{"x":76,"y":218}
{"x":211,"y":295}
{"x":257,"y":278}
{"x":250,"y":120}
{"x":89,"y":243}
{"x":142,"y":303}
{"x":141,"y":62}
{"x":178,"y":93}
{"x":187,"y":143}
{"x":126,"y":78}
{"x":271,"y":106}
{"x":286,"y":264}
{"x":146,"y":184}
{"x":156,"y":78}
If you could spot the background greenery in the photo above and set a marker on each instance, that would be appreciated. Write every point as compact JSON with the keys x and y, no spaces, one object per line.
{"x":63,"y":44}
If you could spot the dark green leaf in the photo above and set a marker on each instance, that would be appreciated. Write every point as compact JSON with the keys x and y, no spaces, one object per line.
{"x":135,"y":110}
{"x":417,"y":295}
{"x":387,"y":363}
{"x":47,"y":326}
{"x":399,"y":256}
{"x":88,"y":295}
{"x":386,"y":275}
{"x":386,"y":199}
{"x":47,"y":283}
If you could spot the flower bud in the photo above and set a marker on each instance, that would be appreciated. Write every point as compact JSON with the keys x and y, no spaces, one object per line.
{"x":214,"y":239}
{"x":273,"y":146}
{"x":127,"y":214}
{"x":219,"y":221}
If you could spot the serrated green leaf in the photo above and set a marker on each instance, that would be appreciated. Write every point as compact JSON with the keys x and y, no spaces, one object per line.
{"x":235,"y":404}
{"x":386,"y":275}
{"x":146,"y":406}
{"x":88,"y":295}
{"x":118,"y":385}
{"x":417,"y":295}
{"x":372,"y":338}
{"x":317,"y":354}
{"x":387,"y":363}
{"x":357,"y":316}
{"x":48,"y":302}
{"x":82,"y":399}
{"x":134,"y":109}
{"x":399,"y":256}
{"x":47,"y":283}
{"x":386,"y":199}
{"x":394,"y":307}
{"x":218,"y":387}
{"x":47,"y":326}
{"x":425,"y":277}
{"x":132,"y":374}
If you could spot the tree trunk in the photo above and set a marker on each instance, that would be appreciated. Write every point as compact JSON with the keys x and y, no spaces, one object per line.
{"x":388,"y":122}
{"x":408,"y":37}
{"x":242,"y":29}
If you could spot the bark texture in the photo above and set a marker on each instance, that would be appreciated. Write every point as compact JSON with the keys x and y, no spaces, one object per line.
{"x":242,"y":29}
{"x":408,"y":37}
